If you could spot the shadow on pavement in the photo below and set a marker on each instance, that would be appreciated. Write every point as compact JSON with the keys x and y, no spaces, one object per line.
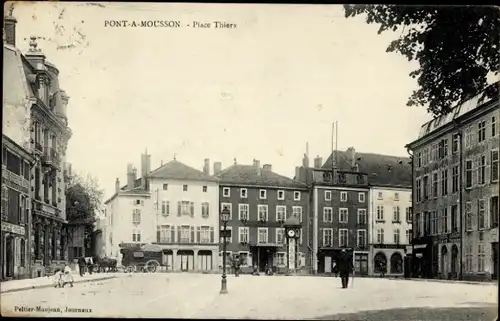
{"x":483,"y":313}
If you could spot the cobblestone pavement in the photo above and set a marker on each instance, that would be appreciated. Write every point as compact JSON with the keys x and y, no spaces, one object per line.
{"x":259,"y":297}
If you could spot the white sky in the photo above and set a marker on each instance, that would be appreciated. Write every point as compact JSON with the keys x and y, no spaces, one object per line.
{"x":258,"y":91}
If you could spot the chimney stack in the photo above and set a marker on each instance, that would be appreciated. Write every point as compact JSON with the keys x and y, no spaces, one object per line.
{"x":217,"y":168}
{"x":305,"y":161}
{"x":10,"y":28}
{"x":267,"y":168}
{"x":351,"y":156}
{"x":206,"y":167}
{"x":318,"y":162}
{"x":256,"y":163}
{"x":131,"y":173}
{"x":117,"y":185}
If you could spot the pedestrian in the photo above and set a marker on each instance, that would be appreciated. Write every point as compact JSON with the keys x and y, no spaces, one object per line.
{"x":335,"y":269}
{"x":237,"y":264}
{"x":90,"y":265}
{"x":68,"y":276}
{"x":81,"y":265}
{"x":58,"y":278}
{"x":345,"y":267}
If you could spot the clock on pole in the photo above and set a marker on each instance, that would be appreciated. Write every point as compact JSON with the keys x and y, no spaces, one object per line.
{"x":292,"y":232}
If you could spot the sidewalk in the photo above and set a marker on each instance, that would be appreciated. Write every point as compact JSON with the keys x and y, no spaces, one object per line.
{"x":493,"y":282}
{"x":44,"y":282}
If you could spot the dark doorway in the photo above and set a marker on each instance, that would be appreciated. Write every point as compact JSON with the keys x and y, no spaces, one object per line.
{"x":380,"y":263}
{"x":396,"y":263}
{"x":9,"y":251}
{"x":263,"y":257}
{"x":494,"y":250}
{"x":454,"y":260}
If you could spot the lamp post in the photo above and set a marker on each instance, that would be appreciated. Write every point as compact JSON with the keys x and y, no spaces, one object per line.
{"x":224,"y":215}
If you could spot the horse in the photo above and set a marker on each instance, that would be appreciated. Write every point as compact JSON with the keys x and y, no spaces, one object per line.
{"x":106,"y":264}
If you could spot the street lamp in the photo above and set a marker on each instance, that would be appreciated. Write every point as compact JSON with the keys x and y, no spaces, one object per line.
{"x":224,"y":216}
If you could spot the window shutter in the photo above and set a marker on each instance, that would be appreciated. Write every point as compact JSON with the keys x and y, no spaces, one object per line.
{"x":158,"y":234}
{"x":198,"y":234}
{"x":179,"y":234}
{"x":487,"y":169}
{"x":172,"y":232}
{"x":192,"y":234}
{"x":212,"y":235}
{"x":192,"y":209}
{"x":474,"y":171}
{"x":178,"y":208}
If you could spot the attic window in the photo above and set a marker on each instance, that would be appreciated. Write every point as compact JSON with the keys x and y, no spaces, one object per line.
{"x":165,"y":187}
{"x":184,"y":188}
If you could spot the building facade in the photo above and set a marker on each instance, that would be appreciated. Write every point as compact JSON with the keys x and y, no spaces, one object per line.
{"x":260,"y":201}
{"x":187,"y":216}
{"x":456,"y":193}
{"x":390,"y":228}
{"x":35,"y":119}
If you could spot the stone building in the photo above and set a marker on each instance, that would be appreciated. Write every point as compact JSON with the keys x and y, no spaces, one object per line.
{"x":455,"y":193}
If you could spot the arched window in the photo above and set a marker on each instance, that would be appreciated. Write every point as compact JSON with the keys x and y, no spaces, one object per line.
{"x":23,"y":253}
{"x":380,"y":263}
{"x":396,"y":263}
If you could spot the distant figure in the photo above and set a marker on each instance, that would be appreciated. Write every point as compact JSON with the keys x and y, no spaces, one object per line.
{"x":255,"y":270}
{"x":81,"y":265}
{"x":68,"y":276}
{"x":58,"y":278}
{"x":383,"y":269}
{"x":90,"y":265}
{"x":345,"y":267}
{"x":335,"y":269}
{"x":237,"y":266}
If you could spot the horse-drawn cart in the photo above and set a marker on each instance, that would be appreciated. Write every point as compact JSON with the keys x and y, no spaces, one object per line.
{"x":147,"y":258}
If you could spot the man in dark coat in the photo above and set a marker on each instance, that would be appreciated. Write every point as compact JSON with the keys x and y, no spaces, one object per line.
{"x":345,"y":267}
{"x":81,"y":265}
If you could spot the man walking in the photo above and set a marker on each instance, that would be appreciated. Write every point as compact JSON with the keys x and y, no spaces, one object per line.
{"x":345,"y":267}
{"x":81,"y":265}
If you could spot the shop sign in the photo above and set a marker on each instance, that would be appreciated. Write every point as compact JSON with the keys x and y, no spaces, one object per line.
{"x":13,"y":228}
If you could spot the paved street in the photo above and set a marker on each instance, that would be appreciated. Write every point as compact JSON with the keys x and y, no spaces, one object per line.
{"x":276,"y":297}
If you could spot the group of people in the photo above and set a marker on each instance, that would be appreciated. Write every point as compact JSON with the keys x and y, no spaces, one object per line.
{"x":63,"y":276}
{"x":85,"y":263}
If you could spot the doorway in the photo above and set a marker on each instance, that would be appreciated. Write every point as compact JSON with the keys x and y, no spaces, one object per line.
{"x":186,"y":260}
{"x":264,"y":257}
{"x":9,"y":257}
{"x":168,"y":260}
{"x":205,"y":260}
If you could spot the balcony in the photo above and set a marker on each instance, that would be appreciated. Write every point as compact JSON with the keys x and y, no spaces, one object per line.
{"x":51,"y":157}
{"x":14,"y":178}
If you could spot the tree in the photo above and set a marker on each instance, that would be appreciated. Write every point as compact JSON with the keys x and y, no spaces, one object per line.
{"x":457,"y":48}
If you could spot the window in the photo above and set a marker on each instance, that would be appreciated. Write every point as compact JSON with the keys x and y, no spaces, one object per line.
{"x":22,"y":217}
{"x":139,"y":202}
{"x":262,"y":235}
{"x":343,"y":196}
{"x":380,"y":212}
{"x":226,"y":192}
{"x":409,"y":214}
{"x":444,"y":223}
{"x":482,"y":170}
{"x":243,"y":234}
{"x":417,"y":226}
{"x":361,"y":216}
{"x":296,"y":196}
{"x":426,"y":187}
{"x":494,"y":166}
{"x":343,"y":215}
{"x":468,"y":173}
{"x":397,"y":234}
{"x":396,"y":196}
{"x":164,"y":234}
{"x":419,"y":159}
{"x":434,"y":223}
{"x":23,"y":253}
{"x":396,"y":214}
{"x":243,"y":193}
{"x":165,"y":187}
{"x":136,"y":236}
{"x":380,"y":235}
{"x":204,"y":234}
{"x":205,"y":188}
{"x":494,"y":130}
{"x":327,"y":214}
{"x":443,"y":149}
{"x":480,"y":257}
{"x":297,"y":212}
{"x":494,"y":211}
{"x":262,"y":210}
{"x":481,"y":214}
{"x":280,"y":257}
{"x":454,"y":218}
{"x":380,"y":195}
{"x":361,"y":197}
{"x":434,"y":152}
{"x":281,"y":195}
{"x":280,"y":233}
{"x":468,"y":216}
{"x":425,"y":156}
{"x":136,"y":216}
{"x":229,"y":239}
{"x":243,"y":210}
{"x":408,"y":237}
{"x":444,"y":182}
{"x":229,"y":206}
{"x":328,"y":195}
{"x":456,"y":143}
{"x":435,"y":181}
{"x":205,"y":210}
{"x":165,"y":208}
{"x":481,"y":131}
{"x":280,"y":213}
{"x":419,"y":190}
{"x":361,"y":238}
{"x":263,"y":194}
{"x":184,"y":188}
{"x":468,"y":137}
{"x":468,"y":257}
{"x":185,"y":208}
{"x":327,"y":237}
{"x":343,"y":237}
{"x":454,"y":179}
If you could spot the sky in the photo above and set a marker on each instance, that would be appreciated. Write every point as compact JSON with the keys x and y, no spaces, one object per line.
{"x":261,"y":90}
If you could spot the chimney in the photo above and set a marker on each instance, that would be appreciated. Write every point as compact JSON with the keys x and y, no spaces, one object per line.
{"x":256,"y":163}
{"x":206,"y":167}
{"x":117,"y":185}
{"x":217,"y":168}
{"x":130,"y":176}
{"x":10,"y":29}
{"x":267,"y":168}
{"x":305,"y":161}
{"x":318,"y":162}
{"x":351,"y":156}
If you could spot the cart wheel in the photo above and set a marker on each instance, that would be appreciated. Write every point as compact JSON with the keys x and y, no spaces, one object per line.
{"x":151,"y":266}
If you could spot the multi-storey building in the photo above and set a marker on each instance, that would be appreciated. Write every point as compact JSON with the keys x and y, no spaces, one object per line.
{"x":455,"y":198}
{"x":35,"y":119}
{"x":390,"y":212}
{"x":260,"y":201}
{"x":187,"y":214}
{"x":339,"y":206}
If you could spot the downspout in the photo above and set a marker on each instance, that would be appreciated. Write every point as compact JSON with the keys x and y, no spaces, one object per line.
{"x":460,"y":197}
{"x":412,"y":212}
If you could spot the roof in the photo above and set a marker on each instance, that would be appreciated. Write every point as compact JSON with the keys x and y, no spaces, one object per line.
{"x":382,"y":170}
{"x":248,"y":175}
{"x":177,"y":170}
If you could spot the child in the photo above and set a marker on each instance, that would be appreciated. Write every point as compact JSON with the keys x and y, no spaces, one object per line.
{"x":67,"y":277}
{"x":58,"y":278}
